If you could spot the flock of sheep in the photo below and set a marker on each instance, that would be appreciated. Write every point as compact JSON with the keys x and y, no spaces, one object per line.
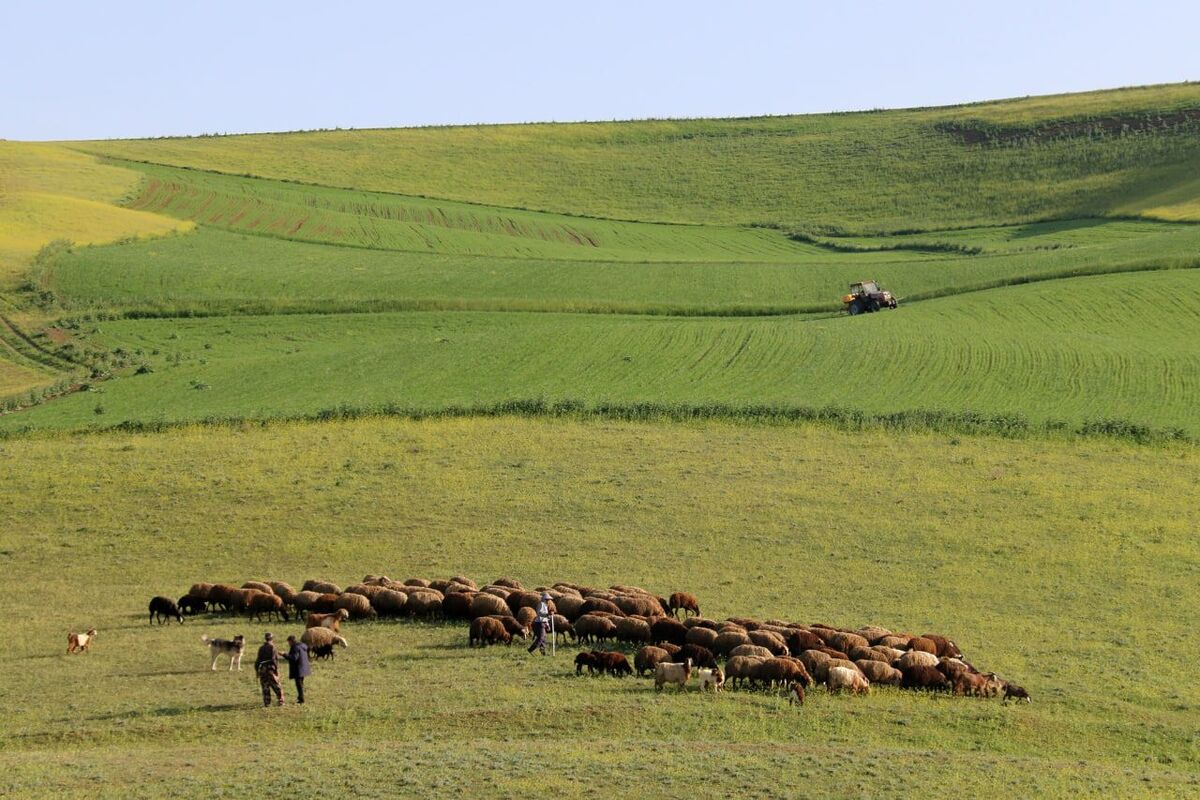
{"x":756,"y":653}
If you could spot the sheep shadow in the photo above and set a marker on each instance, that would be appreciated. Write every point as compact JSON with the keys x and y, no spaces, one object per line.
{"x":173,"y":711}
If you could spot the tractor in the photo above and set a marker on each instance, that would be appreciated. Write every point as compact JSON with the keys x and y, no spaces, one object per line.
{"x":867,"y":296}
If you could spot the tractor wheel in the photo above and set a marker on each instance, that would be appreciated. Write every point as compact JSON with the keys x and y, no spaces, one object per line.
{"x":874,"y":306}
{"x":855,"y":308}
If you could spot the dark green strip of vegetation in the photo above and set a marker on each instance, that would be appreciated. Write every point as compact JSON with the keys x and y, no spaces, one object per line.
{"x":1009,"y":426}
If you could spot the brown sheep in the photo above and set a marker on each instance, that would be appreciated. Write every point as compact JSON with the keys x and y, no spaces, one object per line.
{"x":668,"y":629}
{"x":511,"y":625}
{"x":915,"y":658}
{"x":239,"y":599}
{"x":586,"y":660}
{"x":424,"y":603}
{"x":457,"y":605}
{"x":510,"y":583}
{"x":284,"y":590}
{"x":365,"y":590}
{"x":389,"y":602}
{"x":221,"y":594}
{"x":464,"y":581}
{"x":817,"y":662}
{"x":265,"y":588}
{"x":594,"y":628}
{"x":569,"y":606}
{"x":303,"y":601}
{"x":599,"y":604}
{"x":870,"y":654}
{"x":945,"y":647}
{"x":705,"y":637}
{"x":847,"y":641}
{"x":439,"y":585}
{"x":969,"y":684}
{"x":639,"y":605}
{"x":701,"y":622}
{"x":419,"y":583}
{"x":483,"y":605}
{"x":200,"y":590}
{"x":358,"y":606}
{"x":321,"y":637}
{"x":333,"y":621}
{"x":526,"y":616}
{"x":563,"y":628}
{"x":261,"y":603}
{"x":923,"y":677}
{"x":633,"y":630}
{"x":321,"y":587}
{"x":728,"y":640}
{"x":843,"y":679}
{"x":699,"y":656}
{"x":779,"y":670}
{"x":1011,"y":690}
{"x":922,"y":644}
{"x":770,"y":640}
{"x":800,"y":639}
{"x":614,"y":664}
{"x":873,"y":633}
{"x":879,"y":673}
{"x":496,"y":591}
{"x":487,"y":630}
{"x":895,"y":642}
{"x":325,"y":603}
{"x":645,"y":658}
{"x":741,"y":668}
{"x":751,"y":650}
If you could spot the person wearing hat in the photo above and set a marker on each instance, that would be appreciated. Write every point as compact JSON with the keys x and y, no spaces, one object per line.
{"x":298,"y":666}
{"x":541,"y":625}
{"x":266,"y":664}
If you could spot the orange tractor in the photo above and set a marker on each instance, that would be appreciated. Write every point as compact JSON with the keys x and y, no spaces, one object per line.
{"x":866,"y":296}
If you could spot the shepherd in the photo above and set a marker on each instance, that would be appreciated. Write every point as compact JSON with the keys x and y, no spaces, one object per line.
{"x":541,"y":625}
{"x":266,"y":664}
{"x":298,"y":666}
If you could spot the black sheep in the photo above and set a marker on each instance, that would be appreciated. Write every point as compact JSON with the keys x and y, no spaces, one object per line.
{"x":164,"y":607}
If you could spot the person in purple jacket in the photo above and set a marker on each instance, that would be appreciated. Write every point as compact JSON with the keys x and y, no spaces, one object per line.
{"x":298,"y":666}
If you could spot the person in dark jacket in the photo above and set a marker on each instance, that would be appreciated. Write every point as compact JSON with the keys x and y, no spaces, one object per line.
{"x":266,"y":665}
{"x":298,"y":666}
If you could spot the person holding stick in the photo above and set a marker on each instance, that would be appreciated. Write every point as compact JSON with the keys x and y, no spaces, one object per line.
{"x":541,"y":625}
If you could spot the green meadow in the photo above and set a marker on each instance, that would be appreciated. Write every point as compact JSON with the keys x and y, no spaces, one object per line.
{"x":1064,"y":566}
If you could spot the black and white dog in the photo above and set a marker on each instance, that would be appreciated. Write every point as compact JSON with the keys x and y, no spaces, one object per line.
{"x":231,"y":647}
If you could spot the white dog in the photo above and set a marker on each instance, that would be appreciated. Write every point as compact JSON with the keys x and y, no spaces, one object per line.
{"x":231,"y":647}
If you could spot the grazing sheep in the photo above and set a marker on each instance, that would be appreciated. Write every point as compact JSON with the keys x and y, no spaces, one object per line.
{"x":464,"y":581}
{"x":594,"y":628}
{"x":321,"y":587}
{"x":697,"y":655}
{"x":711,"y":677}
{"x":816,"y":661}
{"x":796,"y":694}
{"x":914,"y":658}
{"x":586,"y":660}
{"x":879,"y":673}
{"x":922,"y":644}
{"x":563,"y":628}
{"x":521,"y":599}
{"x":923,"y":677}
{"x":799,"y":640}
{"x":201,"y":591}
{"x":729,"y":639}
{"x":783,"y":671}
{"x":770,"y":640}
{"x":593,"y":604}
{"x":945,"y":647}
{"x":284,"y":590}
{"x":495,"y":591}
{"x":508,"y":583}
{"x":665,"y":672}
{"x":259,"y":585}
{"x":704,"y":637}
{"x":333,"y":620}
{"x":317,"y":637}
{"x":969,"y":684}
{"x":993,"y":686}
{"x":741,"y":668}
{"x":82,"y":642}
{"x":486,"y":605}
{"x":632,"y":630}
{"x":260,"y":603}
{"x":751,"y":650}
{"x":1011,"y":690}
{"x":526,"y":616}
{"x":163,"y":609}
{"x":873,"y":633}
{"x":358,"y":606}
{"x":325,"y":603}
{"x":487,"y":630}
{"x":871,"y":654}
{"x":418,"y":583}
{"x":645,"y":658}
{"x":668,"y":629}
{"x":685,"y":602}
{"x":389,"y":602}
{"x":512,"y":625}
{"x":304,"y":601}
{"x":895,"y":642}
{"x":701,"y":622}
{"x":239,"y":599}
{"x":569,"y":606}
{"x":614,"y":664}
{"x":363,"y":589}
{"x":192,"y":605}
{"x":843,"y":679}
{"x":456,"y":605}
{"x":639,"y":605}
{"x":847,"y":641}
{"x":221,"y":595}
{"x":425,"y":603}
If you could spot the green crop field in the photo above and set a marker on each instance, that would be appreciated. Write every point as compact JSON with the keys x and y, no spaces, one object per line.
{"x":610,"y":353}
{"x":1064,"y":566}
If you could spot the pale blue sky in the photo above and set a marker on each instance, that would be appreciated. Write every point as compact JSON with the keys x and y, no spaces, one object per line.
{"x":112,"y":69}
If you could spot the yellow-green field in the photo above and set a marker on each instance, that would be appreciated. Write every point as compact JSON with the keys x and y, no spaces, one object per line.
{"x":1066,"y":567}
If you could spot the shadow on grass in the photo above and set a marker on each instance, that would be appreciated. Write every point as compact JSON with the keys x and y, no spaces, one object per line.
{"x":176,"y":711}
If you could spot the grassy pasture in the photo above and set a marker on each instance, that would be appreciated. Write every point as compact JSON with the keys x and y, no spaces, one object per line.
{"x":876,"y":171}
{"x":215,"y":271}
{"x":1064,"y":566}
{"x":1124,"y":353}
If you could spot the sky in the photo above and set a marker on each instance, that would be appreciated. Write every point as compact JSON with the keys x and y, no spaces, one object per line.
{"x":83,"y":70}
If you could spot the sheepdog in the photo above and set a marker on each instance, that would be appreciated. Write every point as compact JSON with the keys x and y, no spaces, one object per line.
{"x":234,"y":648}
{"x":80,"y":642}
